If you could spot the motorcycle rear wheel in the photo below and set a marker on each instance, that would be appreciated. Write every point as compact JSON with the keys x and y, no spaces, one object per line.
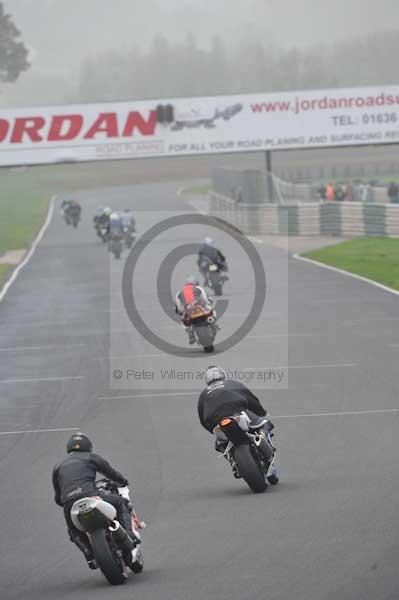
{"x":205,"y":338}
{"x":110,"y":568}
{"x":249,"y":470}
{"x":216,"y":284}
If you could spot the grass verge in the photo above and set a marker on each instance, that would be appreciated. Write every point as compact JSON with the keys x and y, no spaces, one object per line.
{"x":197,"y":190}
{"x":374,"y":258}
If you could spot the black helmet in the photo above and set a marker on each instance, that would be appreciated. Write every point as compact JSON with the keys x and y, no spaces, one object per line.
{"x":78,"y":442}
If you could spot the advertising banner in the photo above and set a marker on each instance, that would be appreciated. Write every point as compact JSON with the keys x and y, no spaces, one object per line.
{"x":190,"y":126}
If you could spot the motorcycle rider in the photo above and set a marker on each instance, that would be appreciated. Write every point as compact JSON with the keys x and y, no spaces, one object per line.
{"x":70,"y":207}
{"x":208,"y":252}
{"x":191,"y":293}
{"x":115,"y":226}
{"x":74,"y":478}
{"x":224,"y":397}
{"x":128,"y":221}
{"x":101,"y":221}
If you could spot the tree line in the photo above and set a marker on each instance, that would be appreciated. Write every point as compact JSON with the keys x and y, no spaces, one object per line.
{"x":172,"y":69}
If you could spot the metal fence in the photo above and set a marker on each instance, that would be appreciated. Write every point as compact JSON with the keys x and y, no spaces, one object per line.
{"x":258,"y":187}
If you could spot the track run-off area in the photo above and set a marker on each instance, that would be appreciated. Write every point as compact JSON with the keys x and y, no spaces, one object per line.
{"x":328,"y":530}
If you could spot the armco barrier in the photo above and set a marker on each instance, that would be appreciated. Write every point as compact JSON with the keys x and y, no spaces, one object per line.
{"x":347,"y":219}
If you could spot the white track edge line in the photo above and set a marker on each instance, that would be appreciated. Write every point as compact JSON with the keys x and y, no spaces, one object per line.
{"x":31,"y":250}
{"x":380,"y":411}
{"x":38,"y":431}
{"x":348,"y":273}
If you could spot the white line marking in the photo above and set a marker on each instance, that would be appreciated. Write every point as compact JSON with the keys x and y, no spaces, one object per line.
{"x":342,"y":272}
{"x":318,"y":366}
{"x":135,"y":356}
{"x":256,"y":240}
{"x":38,"y":431}
{"x":27,"y":348}
{"x":160,"y":395}
{"x":317,"y":301}
{"x":69,"y":323}
{"x":337,"y":414}
{"x":283,"y":335}
{"x":39,"y":379}
{"x":357,"y":321}
{"x":31,"y":251}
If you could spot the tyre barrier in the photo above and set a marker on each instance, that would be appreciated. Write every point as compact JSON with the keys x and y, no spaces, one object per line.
{"x":349,"y":219}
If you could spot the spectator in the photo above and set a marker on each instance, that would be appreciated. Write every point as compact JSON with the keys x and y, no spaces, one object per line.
{"x":350,"y":192}
{"x":393,"y":193}
{"x":364,"y":191}
{"x":339,"y":193}
{"x":323,"y":192}
{"x":330,"y":192}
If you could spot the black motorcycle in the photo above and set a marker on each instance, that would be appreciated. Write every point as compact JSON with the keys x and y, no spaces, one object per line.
{"x":115,"y":245}
{"x":71,"y":215}
{"x":129,"y":237}
{"x":101,"y":228}
{"x":112,"y":547}
{"x":214,"y":274}
{"x":248,"y":448}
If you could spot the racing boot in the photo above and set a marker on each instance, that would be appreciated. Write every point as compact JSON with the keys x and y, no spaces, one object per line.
{"x":191,"y":335}
{"x":83,"y":544}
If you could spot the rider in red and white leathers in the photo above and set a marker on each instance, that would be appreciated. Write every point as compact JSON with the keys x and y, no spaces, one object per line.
{"x":192,"y":294}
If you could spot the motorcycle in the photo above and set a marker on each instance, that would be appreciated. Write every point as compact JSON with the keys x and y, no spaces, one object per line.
{"x":115,"y":245}
{"x":129,"y":237}
{"x":203,"y":322}
{"x":110,"y":543}
{"x":102,"y":233}
{"x":214,"y":275}
{"x":249,"y":449}
{"x":71,"y":216}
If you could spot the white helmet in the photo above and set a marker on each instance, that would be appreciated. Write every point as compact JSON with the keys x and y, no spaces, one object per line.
{"x":214,"y":373}
{"x":192,"y":280}
{"x":208,"y":241}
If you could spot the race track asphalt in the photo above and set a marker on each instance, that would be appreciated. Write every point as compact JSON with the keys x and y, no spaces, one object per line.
{"x":329,"y":530}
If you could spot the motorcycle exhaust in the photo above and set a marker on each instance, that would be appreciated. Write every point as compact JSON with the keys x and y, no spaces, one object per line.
{"x":210,"y":320}
{"x":121,"y":537}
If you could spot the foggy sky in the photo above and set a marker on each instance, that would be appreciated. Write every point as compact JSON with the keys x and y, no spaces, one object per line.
{"x":62,"y":33}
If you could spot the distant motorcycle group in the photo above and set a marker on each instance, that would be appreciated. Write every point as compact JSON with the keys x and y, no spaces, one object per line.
{"x":192,"y":303}
{"x":115,"y":228}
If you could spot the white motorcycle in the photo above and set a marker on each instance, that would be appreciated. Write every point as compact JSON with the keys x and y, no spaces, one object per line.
{"x":112,"y":547}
